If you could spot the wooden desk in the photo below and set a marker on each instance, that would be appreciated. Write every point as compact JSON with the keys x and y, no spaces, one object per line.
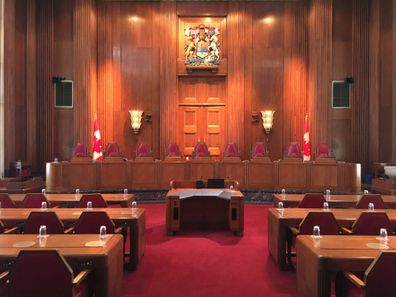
{"x":384,"y":186}
{"x":337,"y":201}
{"x":136,"y":223}
{"x":71,"y":200}
{"x":318,"y":260}
{"x":208,"y":208}
{"x":106,"y":261}
{"x":279,"y":223}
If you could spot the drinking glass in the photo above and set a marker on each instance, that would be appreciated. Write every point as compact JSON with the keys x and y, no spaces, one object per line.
{"x":383,"y":234}
{"x":365,"y":192}
{"x":102,"y":232}
{"x":125,"y":193}
{"x":89,"y":205}
{"x":56,"y":160}
{"x":43,"y":191}
{"x":134,"y":206}
{"x":316,"y":232}
{"x":42,"y":231}
{"x":328,"y":194}
{"x":283,"y":194}
{"x":77,"y":194}
{"x":43,"y":205}
{"x":232,"y":188}
{"x":280,"y":205}
{"x":371,"y":206}
{"x":325,"y":206}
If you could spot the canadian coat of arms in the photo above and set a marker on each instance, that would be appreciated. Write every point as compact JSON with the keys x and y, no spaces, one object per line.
{"x":202,"y":47}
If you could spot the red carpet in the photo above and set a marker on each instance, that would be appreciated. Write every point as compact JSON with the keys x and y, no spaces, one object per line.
{"x":208,"y":263}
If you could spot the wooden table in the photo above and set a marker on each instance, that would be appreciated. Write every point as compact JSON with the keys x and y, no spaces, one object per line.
{"x":384,"y":186}
{"x":338,"y":201}
{"x":135,"y":220}
{"x":204,"y":208}
{"x":106,"y":261}
{"x":71,"y":200}
{"x":279,"y":223}
{"x":318,"y":260}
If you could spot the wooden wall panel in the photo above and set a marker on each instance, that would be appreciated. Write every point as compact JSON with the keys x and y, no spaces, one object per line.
{"x":2,"y":130}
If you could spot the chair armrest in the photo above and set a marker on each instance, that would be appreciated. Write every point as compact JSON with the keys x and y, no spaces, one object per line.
{"x":69,"y":230}
{"x":81,"y":277}
{"x":354,"y":279}
{"x":345,"y":230}
{"x":12,"y":230}
{"x":4,"y":276}
{"x":294,"y":231}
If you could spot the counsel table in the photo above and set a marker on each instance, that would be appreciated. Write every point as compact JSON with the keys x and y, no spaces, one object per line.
{"x":278,"y":224}
{"x":338,"y":201}
{"x":211,"y":208}
{"x":135,"y":220}
{"x":317,"y":260}
{"x":106,"y":260}
{"x":73,"y":199}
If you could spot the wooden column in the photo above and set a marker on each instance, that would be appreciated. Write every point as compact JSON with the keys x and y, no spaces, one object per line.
{"x":1,"y":87}
{"x":168,"y":79}
{"x":295,"y":103}
{"x":320,"y":70}
{"x":85,"y":64}
{"x":360,"y":87}
{"x":45,"y":89}
{"x":394,"y":81}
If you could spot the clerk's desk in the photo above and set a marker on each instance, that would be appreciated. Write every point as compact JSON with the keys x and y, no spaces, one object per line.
{"x":211,"y":208}
{"x":106,"y":261}
{"x":71,"y":200}
{"x":134,"y":219}
{"x":318,"y":260}
{"x":280,"y":221}
{"x":337,"y":201}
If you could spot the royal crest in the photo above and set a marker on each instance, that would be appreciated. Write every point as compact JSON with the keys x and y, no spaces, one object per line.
{"x":202,"y":47}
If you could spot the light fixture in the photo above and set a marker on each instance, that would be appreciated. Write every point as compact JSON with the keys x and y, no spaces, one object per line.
{"x":268,"y":120}
{"x":136,"y":120}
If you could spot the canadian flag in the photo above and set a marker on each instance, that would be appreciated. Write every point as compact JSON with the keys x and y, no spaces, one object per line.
{"x":97,"y":148}
{"x":307,"y":143}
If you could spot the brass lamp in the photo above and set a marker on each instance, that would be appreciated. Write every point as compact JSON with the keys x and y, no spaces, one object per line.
{"x":136,"y":120}
{"x":268,"y":120}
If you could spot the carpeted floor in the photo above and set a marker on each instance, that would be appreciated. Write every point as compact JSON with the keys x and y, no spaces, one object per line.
{"x":208,"y":263}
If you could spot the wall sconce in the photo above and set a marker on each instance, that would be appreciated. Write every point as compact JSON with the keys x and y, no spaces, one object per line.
{"x":268,"y":120}
{"x":136,"y":120}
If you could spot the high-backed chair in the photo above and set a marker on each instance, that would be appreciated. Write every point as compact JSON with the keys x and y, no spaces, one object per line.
{"x":259,"y":150}
{"x":376,"y":199}
{"x":45,"y":273}
{"x":325,"y":220}
{"x":231,"y":150}
{"x":47,"y":218}
{"x":378,"y":278}
{"x":96,"y":199}
{"x":293,"y":150}
{"x":173,"y":151}
{"x":34,"y":200}
{"x":112,"y":150}
{"x":312,"y":200}
{"x":323,"y":150}
{"x":91,"y":221}
{"x":6,"y":201}
{"x":200,"y":150}
{"x":80,"y":150}
{"x":370,"y":223}
{"x":143,"y":150}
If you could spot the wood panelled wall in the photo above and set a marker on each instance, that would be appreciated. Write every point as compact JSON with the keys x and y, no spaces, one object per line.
{"x":279,"y":55}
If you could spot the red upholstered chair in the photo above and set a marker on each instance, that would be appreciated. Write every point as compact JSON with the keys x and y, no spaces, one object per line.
{"x":370,"y":223}
{"x":323,"y":150}
{"x":112,"y":150}
{"x":6,"y":201}
{"x":293,"y":150}
{"x":34,"y":200}
{"x":47,"y":218}
{"x":80,"y":150}
{"x":90,"y":222}
{"x":325,"y":220}
{"x":312,"y":201}
{"x":143,"y":150}
{"x":231,"y":150}
{"x":45,"y":273}
{"x":200,"y":150}
{"x":259,"y":150}
{"x":376,"y":199}
{"x":96,"y":199}
{"x":378,"y":280}
{"x":173,"y":151}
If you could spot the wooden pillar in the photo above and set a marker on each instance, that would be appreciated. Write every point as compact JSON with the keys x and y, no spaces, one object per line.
{"x":320,"y":70}
{"x":2,"y":87}
{"x":394,"y":81}
{"x":85,"y":64}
